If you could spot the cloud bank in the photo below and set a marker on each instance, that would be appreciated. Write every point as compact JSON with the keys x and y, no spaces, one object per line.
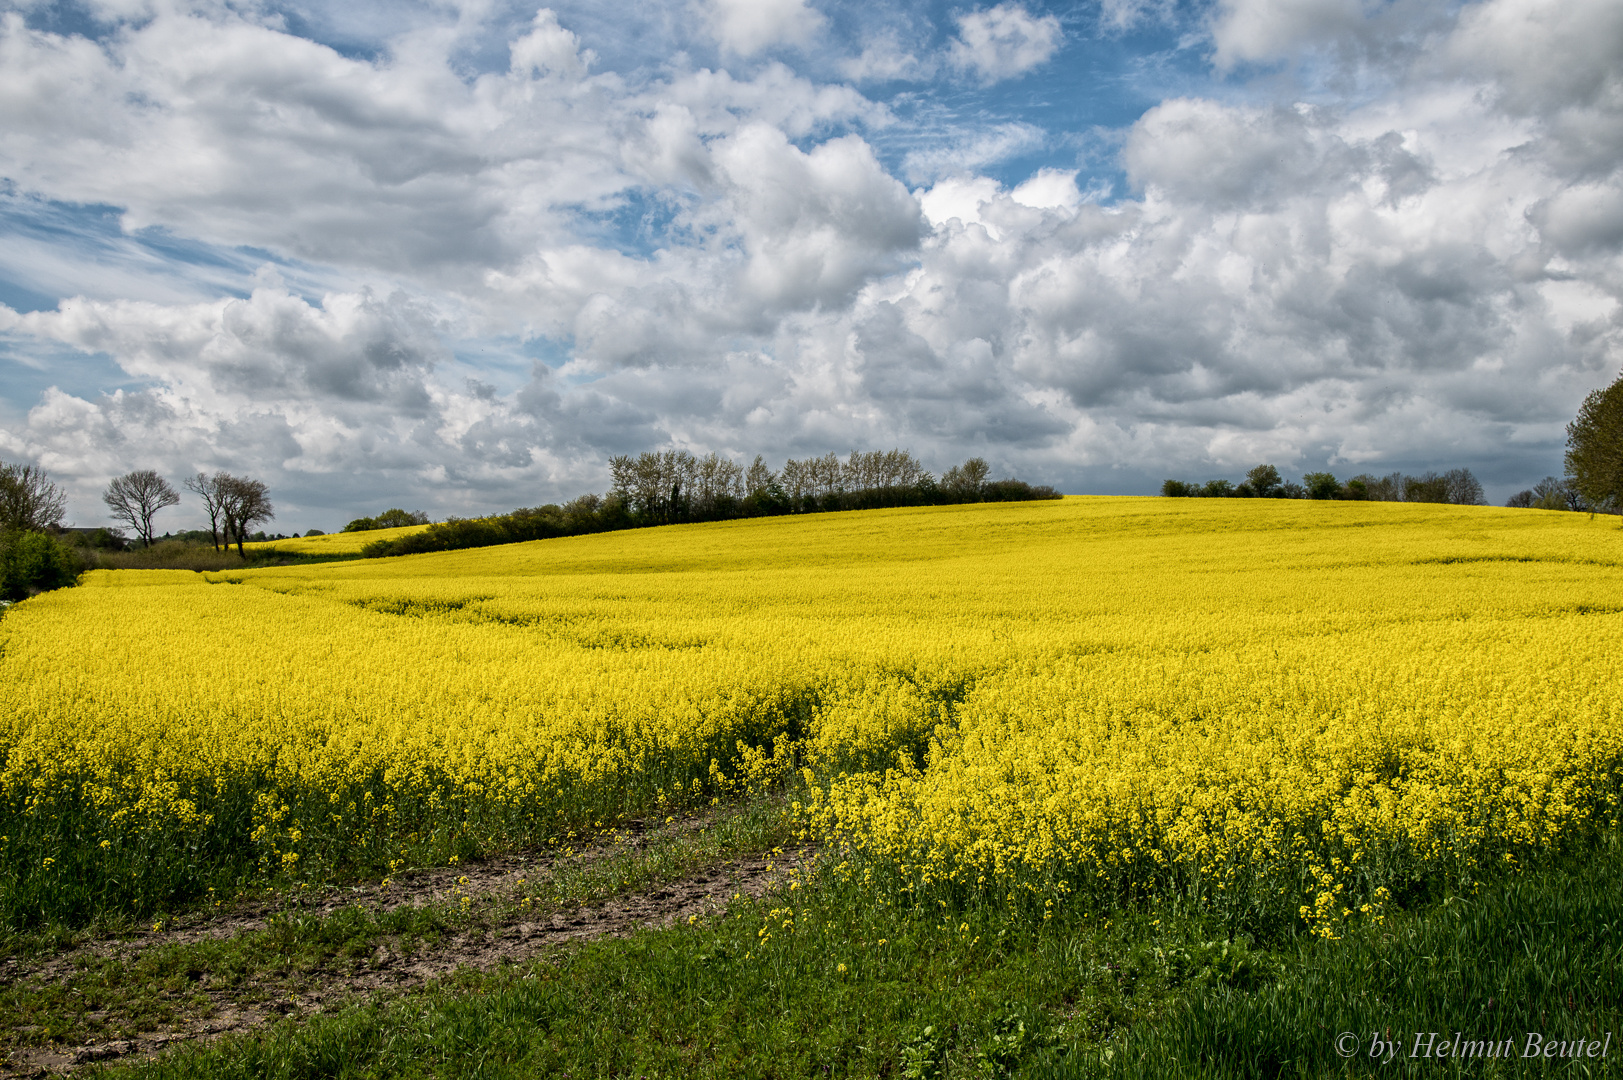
{"x":459,"y":269}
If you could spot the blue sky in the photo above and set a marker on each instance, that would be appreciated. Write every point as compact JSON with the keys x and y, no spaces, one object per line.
{"x":452,"y":256}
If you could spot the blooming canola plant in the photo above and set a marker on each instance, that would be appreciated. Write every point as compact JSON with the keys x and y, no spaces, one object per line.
{"x":1270,"y":707}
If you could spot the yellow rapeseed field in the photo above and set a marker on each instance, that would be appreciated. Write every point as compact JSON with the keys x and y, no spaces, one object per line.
{"x":341,"y":543}
{"x":1260,"y":705}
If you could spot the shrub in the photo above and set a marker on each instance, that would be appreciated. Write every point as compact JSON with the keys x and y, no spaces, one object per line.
{"x":34,"y":562}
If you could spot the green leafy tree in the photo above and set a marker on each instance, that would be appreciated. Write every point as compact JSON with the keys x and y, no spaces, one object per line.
{"x":1177,"y":489}
{"x":1594,"y":457}
{"x":1265,"y":482}
{"x":1321,"y":485}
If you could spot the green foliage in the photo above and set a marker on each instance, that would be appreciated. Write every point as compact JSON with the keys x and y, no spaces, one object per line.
{"x":98,"y":540}
{"x":1594,"y":457}
{"x":1455,"y":486}
{"x":394,"y":518}
{"x":1010,"y":1044}
{"x":1321,"y":485}
{"x":1265,"y":482}
{"x":33,"y":562}
{"x":923,"y":1056}
{"x":587,"y":514}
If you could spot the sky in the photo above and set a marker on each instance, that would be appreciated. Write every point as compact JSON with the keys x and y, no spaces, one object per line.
{"x":455,"y":255}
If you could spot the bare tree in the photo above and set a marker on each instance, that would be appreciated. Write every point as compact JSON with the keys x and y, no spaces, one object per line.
{"x":796,"y":480}
{"x":1463,"y":488}
{"x":965,"y":481}
{"x":717,"y":483}
{"x":1380,"y":488}
{"x":826,"y":475}
{"x":657,"y":486}
{"x":1428,"y":487}
{"x":243,"y":504}
{"x":28,"y":500}
{"x":759,"y":477}
{"x":135,"y":497}
{"x":207,"y":488}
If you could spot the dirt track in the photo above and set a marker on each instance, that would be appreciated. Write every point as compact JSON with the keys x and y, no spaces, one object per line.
{"x":521,"y":937}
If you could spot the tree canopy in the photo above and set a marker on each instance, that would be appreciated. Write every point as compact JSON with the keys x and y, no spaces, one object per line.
{"x":1594,"y":457}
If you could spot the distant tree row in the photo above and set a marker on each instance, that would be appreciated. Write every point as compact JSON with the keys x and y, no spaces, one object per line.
{"x":672,"y":486}
{"x":675,"y":486}
{"x":234,"y":504}
{"x":37,"y":553}
{"x":1550,"y":493}
{"x":1457,"y":486}
{"x":394,"y":518}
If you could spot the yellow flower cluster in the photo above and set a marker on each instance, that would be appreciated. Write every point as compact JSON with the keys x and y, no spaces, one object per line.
{"x":1245,"y":702}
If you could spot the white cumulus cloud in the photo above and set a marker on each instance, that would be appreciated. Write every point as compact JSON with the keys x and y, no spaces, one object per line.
{"x":747,"y":27}
{"x":1004,"y":41}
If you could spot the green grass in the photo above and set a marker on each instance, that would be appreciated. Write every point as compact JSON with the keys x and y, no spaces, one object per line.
{"x":1539,"y":953}
{"x":966,"y":995}
{"x":109,"y":994}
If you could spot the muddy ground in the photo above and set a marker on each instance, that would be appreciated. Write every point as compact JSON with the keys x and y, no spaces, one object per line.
{"x":515,"y":937}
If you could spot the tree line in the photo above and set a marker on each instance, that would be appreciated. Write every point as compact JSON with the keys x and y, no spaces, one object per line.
{"x":1593,"y":484}
{"x":234,"y":504}
{"x":1456,"y":486}
{"x":37,"y":553}
{"x":389,"y":519}
{"x":674,"y":486}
